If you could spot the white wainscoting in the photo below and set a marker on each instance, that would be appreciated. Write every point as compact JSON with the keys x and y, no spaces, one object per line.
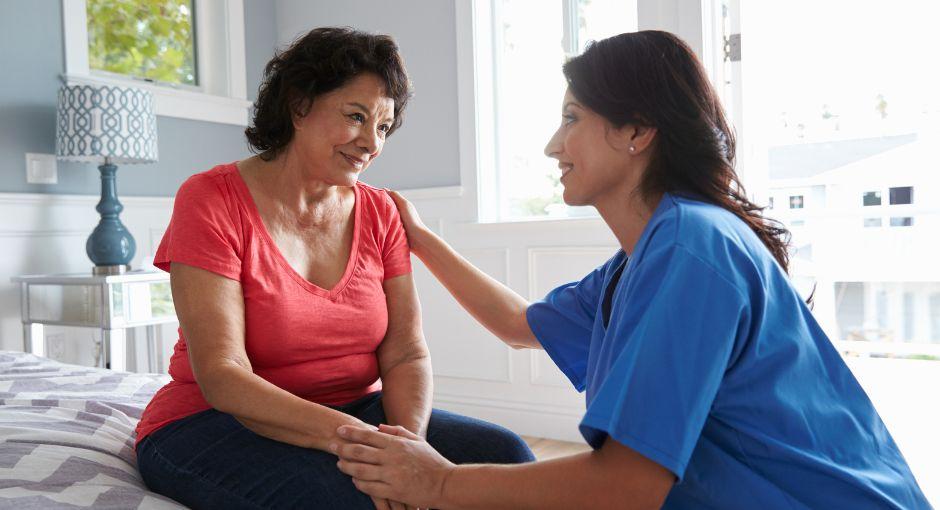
{"x":475,"y":373}
{"x":46,"y":234}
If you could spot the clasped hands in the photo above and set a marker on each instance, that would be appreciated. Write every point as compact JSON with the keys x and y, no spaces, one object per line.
{"x":393,"y":464}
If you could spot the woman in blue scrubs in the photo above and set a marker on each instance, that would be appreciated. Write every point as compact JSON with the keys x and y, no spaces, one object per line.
{"x":709,"y":384}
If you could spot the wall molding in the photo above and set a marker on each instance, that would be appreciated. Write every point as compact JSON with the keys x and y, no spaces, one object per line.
{"x":43,"y":233}
{"x":510,"y":404}
{"x":44,"y":199}
{"x":432,"y":193}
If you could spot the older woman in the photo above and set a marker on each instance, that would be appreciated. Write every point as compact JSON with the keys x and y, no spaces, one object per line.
{"x":298,"y":312}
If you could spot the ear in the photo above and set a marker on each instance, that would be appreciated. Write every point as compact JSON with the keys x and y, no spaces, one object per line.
{"x":295,"y":118}
{"x":634,"y":138}
{"x":299,"y":108}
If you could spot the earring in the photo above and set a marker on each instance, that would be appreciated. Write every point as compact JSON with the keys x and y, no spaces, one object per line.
{"x":632,"y":148}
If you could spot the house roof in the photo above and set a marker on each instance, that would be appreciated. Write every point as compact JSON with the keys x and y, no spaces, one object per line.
{"x":810,"y":159}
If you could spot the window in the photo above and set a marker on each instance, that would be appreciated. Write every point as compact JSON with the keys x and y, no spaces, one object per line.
{"x":881,"y":309}
{"x":899,"y":196}
{"x":189,"y":53}
{"x":839,"y":116}
{"x":905,"y":221}
{"x":531,"y":40}
{"x":152,"y":40}
{"x":847,"y":134}
{"x":935,"y":318}
{"x":909,"y":316}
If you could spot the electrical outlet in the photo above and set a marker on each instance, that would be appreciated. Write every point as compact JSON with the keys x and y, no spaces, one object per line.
{"x":41,"y":169}
{"x":55,"y":346}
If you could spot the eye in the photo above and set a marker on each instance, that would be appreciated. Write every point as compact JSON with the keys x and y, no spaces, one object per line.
{"x":358,"y":117}
{"x":567,"y":118}
{"x":385,"y":128}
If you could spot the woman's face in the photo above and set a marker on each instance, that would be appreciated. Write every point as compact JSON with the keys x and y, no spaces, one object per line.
{"x":344,"y":130}
{"x":590,"y":153}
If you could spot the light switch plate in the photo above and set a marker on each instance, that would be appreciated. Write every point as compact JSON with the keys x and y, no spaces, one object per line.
{"x":41,"y":169}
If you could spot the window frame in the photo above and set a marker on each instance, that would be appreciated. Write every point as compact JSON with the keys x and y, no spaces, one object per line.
{"x":221,"y":95}
{"x":692,"y":20}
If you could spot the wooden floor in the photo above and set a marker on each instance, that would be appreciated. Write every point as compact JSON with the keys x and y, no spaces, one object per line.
{"x":545,"y":449}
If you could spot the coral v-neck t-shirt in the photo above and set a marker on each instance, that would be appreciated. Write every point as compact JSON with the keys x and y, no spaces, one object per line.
{"x":318,"y":344}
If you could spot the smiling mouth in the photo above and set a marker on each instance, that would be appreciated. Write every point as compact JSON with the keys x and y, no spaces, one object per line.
{"x":565,"y":169}
{"x":356,"y":162}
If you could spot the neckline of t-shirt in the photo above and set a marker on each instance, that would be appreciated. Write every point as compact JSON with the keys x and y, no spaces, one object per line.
{"x":630,"y":260}
{"x":666,"y":202}
{"x":255,"y":216}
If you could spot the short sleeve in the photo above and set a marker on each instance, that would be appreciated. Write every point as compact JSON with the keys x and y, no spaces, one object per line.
{"x":678,"y":324}
{"x":564,"y":320}
{"x":396,"y":255}
{"x":203,"y":230}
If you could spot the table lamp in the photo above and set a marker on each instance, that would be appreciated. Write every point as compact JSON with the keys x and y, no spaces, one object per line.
{"x":107,"y":125}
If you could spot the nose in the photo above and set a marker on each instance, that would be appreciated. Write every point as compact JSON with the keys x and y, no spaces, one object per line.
{"x":370,"y":141}
{"x":553,"y":148}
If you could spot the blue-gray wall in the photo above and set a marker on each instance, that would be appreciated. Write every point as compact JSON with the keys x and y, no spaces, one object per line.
{"x":31,"y":61}
{"x":424,"y":152}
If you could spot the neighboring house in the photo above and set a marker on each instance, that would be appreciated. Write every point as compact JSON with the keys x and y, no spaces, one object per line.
{"x":865,"y":217}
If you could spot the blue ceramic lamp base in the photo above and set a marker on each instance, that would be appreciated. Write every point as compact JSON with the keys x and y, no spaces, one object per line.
{"x":110,"y":246}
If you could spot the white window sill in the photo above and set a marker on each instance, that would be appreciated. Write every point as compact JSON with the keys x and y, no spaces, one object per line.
{"x":183,"y":104}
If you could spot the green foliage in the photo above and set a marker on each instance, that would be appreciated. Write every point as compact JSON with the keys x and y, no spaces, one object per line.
{"x":882,"y":106}
{"x":161,"y":300}
{"x":151,"y":39}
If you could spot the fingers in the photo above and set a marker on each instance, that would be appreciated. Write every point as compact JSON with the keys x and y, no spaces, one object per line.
{"x":399,"y":200}
{"x":398,"y":430}
{"x":358,"y":453}
{"x":372,"y":438}
{"x":380,"y":503}
{"x":374,"y":489}
{"x":361,"y":471}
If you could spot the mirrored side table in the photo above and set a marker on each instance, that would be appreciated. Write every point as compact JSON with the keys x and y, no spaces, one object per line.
{"x":111,"y":303}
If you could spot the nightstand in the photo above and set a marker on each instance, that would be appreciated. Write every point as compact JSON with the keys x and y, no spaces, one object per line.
{"x":111,"y":303}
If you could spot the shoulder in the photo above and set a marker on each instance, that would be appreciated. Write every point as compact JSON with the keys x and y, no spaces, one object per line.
{"x":377,"y":203}
{"x":710,"y":234}
{"x":212,"y":190}
{"x":211,"y":183}
{"x":373,"y":193}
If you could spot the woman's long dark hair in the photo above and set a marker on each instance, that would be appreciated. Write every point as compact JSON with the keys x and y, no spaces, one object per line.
{"x":653,"y":78}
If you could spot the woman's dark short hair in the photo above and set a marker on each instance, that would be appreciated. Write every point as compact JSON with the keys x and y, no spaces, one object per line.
{"x":321,"y":61}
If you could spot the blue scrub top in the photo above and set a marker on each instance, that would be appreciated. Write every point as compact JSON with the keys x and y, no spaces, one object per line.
{"x":712,"y":366}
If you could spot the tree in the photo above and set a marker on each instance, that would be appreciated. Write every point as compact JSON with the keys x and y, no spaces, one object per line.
{"x":882,"y":106}
{"x":150,"y":39}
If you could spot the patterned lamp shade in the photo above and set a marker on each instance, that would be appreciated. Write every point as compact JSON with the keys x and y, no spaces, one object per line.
{"x":98,"y":122}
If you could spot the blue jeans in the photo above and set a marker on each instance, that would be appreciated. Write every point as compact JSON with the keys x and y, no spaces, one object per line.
{"x":210,"y":460}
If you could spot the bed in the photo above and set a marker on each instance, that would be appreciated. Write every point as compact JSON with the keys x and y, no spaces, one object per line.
{"x":67,"y":435}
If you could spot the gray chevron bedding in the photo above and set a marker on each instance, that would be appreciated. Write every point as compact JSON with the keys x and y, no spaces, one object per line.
{"x":66,"y":435}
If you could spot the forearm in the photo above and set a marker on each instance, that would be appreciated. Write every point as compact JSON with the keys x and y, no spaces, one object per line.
{"x":578,"y":481}
{"x":407,"y":389}
{"x":271,"y":411}
{"x":494,"y":305}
